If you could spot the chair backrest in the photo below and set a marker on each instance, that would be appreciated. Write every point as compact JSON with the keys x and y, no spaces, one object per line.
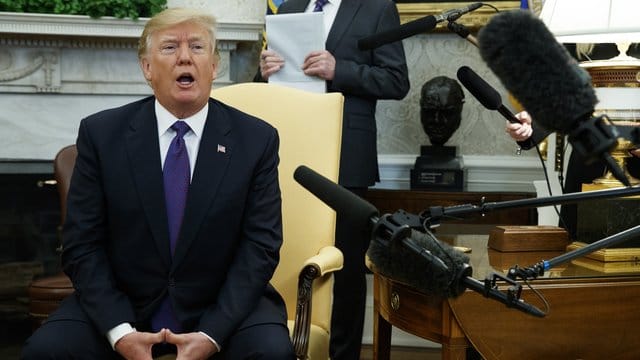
{"x":310,"y":130}
{"x":63,"y":164}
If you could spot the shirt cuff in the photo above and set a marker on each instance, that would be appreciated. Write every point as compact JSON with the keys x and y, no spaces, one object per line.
{"x":213,"y":341}
{"x":118,"y":332}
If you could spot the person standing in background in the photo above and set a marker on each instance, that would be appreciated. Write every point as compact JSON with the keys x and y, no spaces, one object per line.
{"x":363,"y":77}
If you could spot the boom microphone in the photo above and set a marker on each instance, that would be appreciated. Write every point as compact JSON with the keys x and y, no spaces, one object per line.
{"x":418,"y":259}
{"x":413,"y":27}
{"x":345,"y":203}
{"x":354,"y":209}
{"x":548,"y":82}
{"x":486,"y":95}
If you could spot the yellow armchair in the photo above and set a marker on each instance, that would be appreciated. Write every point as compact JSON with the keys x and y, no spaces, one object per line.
{"x":310,"y":129}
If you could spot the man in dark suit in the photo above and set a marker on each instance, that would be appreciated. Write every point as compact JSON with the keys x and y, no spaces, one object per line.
{"x":363,"y":77}
{"x":135,"y":294}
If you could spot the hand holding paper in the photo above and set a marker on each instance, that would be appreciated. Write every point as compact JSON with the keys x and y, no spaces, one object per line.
{"x":293,"y":37}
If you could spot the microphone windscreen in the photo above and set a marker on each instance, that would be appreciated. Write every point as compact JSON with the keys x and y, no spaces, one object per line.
{"x":397,"y":262}
{"x":348,"y":205}
{"x":403,"y":31}
{"x":480,"y":89}
{"x":537,"y":70}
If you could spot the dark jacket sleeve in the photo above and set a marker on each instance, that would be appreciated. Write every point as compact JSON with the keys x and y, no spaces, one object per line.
{"x":538,"y":135}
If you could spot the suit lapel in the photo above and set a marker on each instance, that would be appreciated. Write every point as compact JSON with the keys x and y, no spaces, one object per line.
{"x":344,"y":18}
{"x":213,"y":158}
{"x":143,"y":151}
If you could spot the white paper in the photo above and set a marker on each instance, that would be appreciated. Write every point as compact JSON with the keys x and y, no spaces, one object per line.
{"x":294,"y":36}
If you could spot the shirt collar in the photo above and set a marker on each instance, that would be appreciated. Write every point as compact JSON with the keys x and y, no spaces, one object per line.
{"x":166,"y":119}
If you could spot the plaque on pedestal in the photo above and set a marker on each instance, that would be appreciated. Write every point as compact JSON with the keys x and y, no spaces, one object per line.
{"x":438,"y":168}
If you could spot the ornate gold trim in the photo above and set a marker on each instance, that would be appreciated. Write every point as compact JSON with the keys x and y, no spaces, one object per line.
{"x":473,"y":20}
{"x":614,"y":74}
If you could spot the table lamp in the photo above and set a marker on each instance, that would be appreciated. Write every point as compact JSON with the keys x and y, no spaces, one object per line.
{"x":616,"y":81}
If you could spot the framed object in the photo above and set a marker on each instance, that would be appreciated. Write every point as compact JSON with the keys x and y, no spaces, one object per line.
{"x":412,"y":9}
{"x":536,"y":6}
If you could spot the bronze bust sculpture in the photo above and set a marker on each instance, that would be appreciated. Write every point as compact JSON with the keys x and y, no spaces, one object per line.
{"x":441,"y":101}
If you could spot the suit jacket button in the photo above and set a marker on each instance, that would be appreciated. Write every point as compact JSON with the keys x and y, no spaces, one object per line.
{"x":172,"y":282}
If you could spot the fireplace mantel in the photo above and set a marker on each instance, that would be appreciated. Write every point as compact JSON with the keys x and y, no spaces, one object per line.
{"x":57,"y":69}
{"x":76,"y":54}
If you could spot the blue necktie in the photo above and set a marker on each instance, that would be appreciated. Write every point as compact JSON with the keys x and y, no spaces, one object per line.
{"x":319,"y":5}
{"x":177,"y":175}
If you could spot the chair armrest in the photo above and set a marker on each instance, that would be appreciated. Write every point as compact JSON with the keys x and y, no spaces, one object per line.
{"x":328,"y":260}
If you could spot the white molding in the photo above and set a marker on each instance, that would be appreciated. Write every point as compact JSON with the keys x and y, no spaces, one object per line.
{"x":107,"y":27}
{"x":69,"y":25}
{"x":484,"y":173}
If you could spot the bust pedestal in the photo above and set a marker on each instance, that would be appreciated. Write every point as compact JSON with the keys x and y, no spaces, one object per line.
{"x":438,"y":168}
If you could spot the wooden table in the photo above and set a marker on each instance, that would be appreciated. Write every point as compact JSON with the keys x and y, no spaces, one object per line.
{"x":592,"y":315}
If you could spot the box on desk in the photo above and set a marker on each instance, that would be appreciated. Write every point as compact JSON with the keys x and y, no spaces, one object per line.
{"x":528,"y":238}
{"x":616,"y":260}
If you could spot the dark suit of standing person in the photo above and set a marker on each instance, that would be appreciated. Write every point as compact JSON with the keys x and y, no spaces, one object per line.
{"x":363,"y":77}
{"x":213,"y":287}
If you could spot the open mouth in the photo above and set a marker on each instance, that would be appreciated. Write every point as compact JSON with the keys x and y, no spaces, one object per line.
{"x":185,"y":79}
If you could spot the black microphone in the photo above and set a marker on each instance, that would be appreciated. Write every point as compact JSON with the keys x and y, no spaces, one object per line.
{"x":548,"y":82}
{"x":417,"y":259}
{"x":359,"y":212}
{"x":406,"y":266}
{"x":353,"y":208}
{"x":455,"y":14}
{"x":417,"y":26}
{"x":485,"y":93}
{"x":413,"y":27}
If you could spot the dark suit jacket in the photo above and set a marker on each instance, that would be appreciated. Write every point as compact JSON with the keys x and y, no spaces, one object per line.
{"x":116,"y":244}
{"x":362,"y":77}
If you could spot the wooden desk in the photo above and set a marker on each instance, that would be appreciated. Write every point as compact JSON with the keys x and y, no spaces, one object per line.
{"x":591,"y":316}
{"x":416,"y":201}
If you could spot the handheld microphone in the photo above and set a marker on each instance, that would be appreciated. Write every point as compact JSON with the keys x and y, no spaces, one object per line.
{"x":416,"y":260}
{"x":485,"y":93}
{"x":413,"y":27}
{"x":548,"y":82}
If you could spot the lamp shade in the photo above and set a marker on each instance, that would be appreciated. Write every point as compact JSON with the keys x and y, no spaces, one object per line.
{"x":593,"y":21}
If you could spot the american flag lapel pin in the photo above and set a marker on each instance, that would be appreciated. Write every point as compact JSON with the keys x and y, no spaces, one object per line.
{"x":222,"y":149}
